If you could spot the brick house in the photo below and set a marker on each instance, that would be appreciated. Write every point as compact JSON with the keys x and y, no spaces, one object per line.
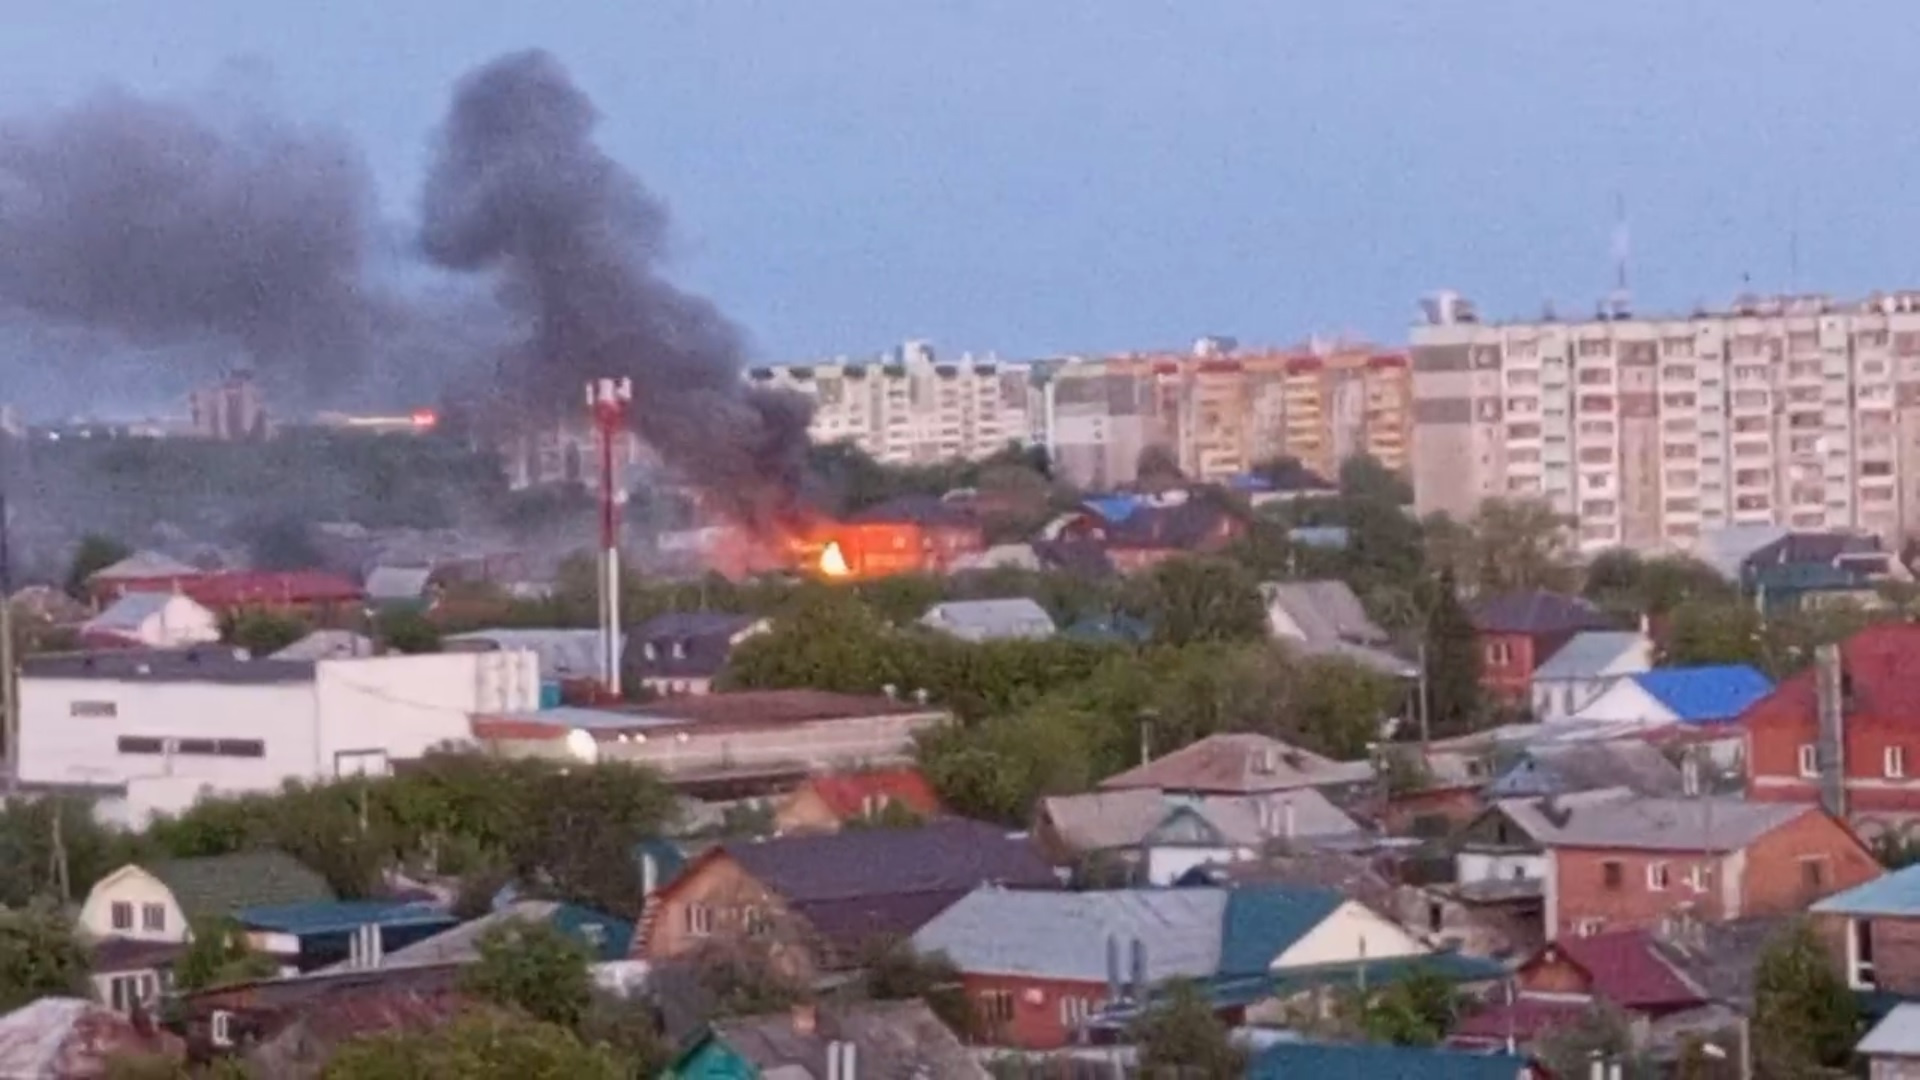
{"x":1518,"y":633}
{"x":1657,"y":863}
{"x":816,"y":900}
{"x":1878,"y":687}
{"x":828,"y":802}
{"x":1560,"y":984}
{"x":1873,"y":932}
{"x":949,"y":532}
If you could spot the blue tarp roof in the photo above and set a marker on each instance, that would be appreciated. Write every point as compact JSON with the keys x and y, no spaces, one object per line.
{"x":339,"y":916}
{"x":1707,"y":693}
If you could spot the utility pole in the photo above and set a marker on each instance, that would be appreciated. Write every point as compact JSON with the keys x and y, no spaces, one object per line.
{"x":608,"y":401}
{"x":1423,"y":704}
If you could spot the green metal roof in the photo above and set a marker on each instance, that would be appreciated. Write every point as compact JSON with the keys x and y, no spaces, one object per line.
{"x":1371,"y":1061}
{"x":218,"y":886}
{"x":1263,"y":920}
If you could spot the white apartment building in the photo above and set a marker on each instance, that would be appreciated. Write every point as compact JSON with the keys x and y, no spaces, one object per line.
{"x":152,"y":730}
{"x":1800,"y":412}
{"x":910,"y":407}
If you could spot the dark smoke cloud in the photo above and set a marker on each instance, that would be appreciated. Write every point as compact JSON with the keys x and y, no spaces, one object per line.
{"x":147,"y":221}
{"x":520,"y":189}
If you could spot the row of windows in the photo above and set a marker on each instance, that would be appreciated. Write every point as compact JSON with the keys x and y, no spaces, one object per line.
{"x":996,"y":1007}
{"x":1893,"y":762}
{"x":153,"y":917}
{"x":146,"y":744}
{"x":700,"y":919}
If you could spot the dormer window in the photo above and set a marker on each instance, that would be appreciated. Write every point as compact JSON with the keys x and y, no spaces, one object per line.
{"x":680,"y":649}
{"x":650,"y":651}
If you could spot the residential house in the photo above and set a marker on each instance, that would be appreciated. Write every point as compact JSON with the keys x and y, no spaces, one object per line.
{"x":1160,"y":837}
{"x":1519,"y":632}
{"x":869,"y":1038}
{"x":286,"y":1026}
{"x":1586,"y":666}
{"x":1325,"y":618}
{"x":1429,"y":794}
{"x":142,"y":571}
{"x":328,"y":645}
{"x":1375,"y":1061}
{"x":150,"y":621}
{"x":1560,"y":985}
{"x":1874,"y":693}
{"x":58,"y":1038}
{"x":1808,"y":569}
{"x":1873,"y":930}
{"x":565,"y":656}
{"x":818,"y":900}
{"x":1697,"y":706}
{"x":607,"y":938}
{"x":827,"y":802}
{"x":143,"y":916}
{"x":725,"y":746}
{"x":683,"y":652}
{"x":1241,"y":764}
{"x":1641,"y":863}
{"x":1565,"y":768}
{"x":321,"y":598}
{"x":315,"y":934}
{"x":950,"y":532}
{"x":405,"y":588}
{"x":1500,"y":866}
{"x":1138,"y":531}
{"x":1016,"y":619}
{"x":1892,"y":1049}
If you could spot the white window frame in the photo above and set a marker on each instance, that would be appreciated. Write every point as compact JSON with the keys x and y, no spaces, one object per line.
{"x":1587,"y":927}
{"x":131,"y":990}
{"x":1658,"y":878}
{"x":1699,"y":877}
{"x":699,"y":920}
{"x":1809,"y":761}
{"x":114,"y":913}
{"x":153,"y":918}
{"x":1860,"y":974}
{"x":1893,"y":762}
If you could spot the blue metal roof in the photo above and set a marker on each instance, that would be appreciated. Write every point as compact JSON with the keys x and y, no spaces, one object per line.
{"x":1115,"y":508}
{"x":339,"y":916}
{"x":1263,"y":920}
{"x":1895,"y":894}
{"x":1373,"y":1061}
{"x":1704,"y":694}
{"x":610,"y":937}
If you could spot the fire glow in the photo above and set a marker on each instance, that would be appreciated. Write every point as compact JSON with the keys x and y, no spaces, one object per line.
{"x":833,"y":561}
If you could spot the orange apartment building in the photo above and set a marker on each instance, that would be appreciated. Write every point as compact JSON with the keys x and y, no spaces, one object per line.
{"x":1222,"y":410}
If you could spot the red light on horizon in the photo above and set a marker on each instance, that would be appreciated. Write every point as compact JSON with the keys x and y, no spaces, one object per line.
{"x":425,"y":418}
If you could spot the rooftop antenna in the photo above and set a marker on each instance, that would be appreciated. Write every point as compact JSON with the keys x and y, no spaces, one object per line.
{"x":1620,"y":302}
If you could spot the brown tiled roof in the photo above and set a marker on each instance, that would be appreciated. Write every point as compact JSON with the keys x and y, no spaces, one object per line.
{"x":1238,"y":764}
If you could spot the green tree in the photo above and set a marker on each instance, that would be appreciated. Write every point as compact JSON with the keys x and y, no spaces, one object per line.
{"x":96,"y":553}
{"x":1804,"y":1017}
{"x":217,"y":955}
{"x":1363,"y":477}
{"x":39,"y":957}
{"x":1715,"y":632}
{"x":1339,"y":704}
{"x":1180,"y":1036}
{"x":1622,"y":582}
{"x":1522,"y":544}
{"x":1417,"y":1009}
{"x":1188,"y":600}
{"x":535,"y":968}
{"x":630,"y":1029}
{"x":486,"y":1046}
{"x":1604,"y":1032}
{"x":1453,"y":663}
{"x":894,"y":972}
{"x":407,"y":632}
{"x":263,"y":633}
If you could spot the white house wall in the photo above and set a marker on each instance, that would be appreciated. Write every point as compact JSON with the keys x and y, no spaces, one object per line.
{"x":1166,"y":865}
{"x":1626,"y":701}
{"x":131,"y":885}
{"x":1350,"y":934}
{"x":853,"y":741}
{"x":64,"y":740}
{"x":375,"y":708}
{"x":1471,"y":866}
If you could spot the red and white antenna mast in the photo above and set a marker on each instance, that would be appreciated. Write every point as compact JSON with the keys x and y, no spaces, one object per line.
{"x":607,"y":401}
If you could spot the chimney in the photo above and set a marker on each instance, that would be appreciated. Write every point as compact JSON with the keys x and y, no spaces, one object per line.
{"x":806,"y":1018}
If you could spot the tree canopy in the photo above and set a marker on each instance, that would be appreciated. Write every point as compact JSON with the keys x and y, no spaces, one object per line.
{"x":40,"y":957}
{"x":1805,"y":1018}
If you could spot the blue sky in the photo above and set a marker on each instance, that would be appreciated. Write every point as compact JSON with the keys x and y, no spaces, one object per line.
{"x":1034,"y":176}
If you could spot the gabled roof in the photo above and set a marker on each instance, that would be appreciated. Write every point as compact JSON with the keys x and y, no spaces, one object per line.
{"x":861,"y":883}
{"x":684,"y":644}
{"x":980,"y":620}
{"x":1706,"y":693}
{"x":1594,"y":654}
{"x":890,"y":1038}
{"x":1563,"y":768}
{"x":1895,"y":895}
{"x":1239,"y":763}
{"x":1327,"y":612}
{"x":219,"y":886}
{"x":1898,"y":1035}
{"x":56,"y":1038}
{"x":145,"y":564}
{"x":339,"y":916}
{"x":1626,"y":969}
{"x":1542,"y":818}
{"x":847,"y":793}
{"x":129,"y":614}
{"x":1376,"y":1061}
{"x":398,"y":582}
{"x":1105,"y":820}
{"x":1263,"y":921}
{"x":1065,"y":935}
{"x":1537,"y":612}
{"x":1709,"y":825}
{"x":1882,"y":666}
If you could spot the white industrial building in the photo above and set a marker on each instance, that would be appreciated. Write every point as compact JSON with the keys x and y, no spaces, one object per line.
{"x":152,"y":730}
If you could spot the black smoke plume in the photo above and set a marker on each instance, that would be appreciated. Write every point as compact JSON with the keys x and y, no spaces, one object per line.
{"x":150,"y":224}
{"x":519,"y":188}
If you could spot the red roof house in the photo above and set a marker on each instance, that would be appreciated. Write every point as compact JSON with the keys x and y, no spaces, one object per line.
{"x":829,"y":801}
{"x":317,"y":595}
{"x":1559,"y":985}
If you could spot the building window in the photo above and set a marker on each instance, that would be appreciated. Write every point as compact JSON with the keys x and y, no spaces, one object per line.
{"x":94,"y":710}
{"x":1074,"y":1011}
{"x":1657,"y":877}
{"x":141,"y":744}
{"x":127,"y":992}
{"x":1896,"y":762}
{"x":699,"y":920}
{"x":153,"y":917}
{"x":1587,"y":927}
{"x":1698,"y":877}
{"x":122,"y":915}
{"x":1813,"y":871}
{"x":1860,"y":954}
{"x":996,"y":1006}
{"x":1498,"y":653}
{"x":1612,"y":874}
{"x":1809,"y":761}
{"x":757,"y":920}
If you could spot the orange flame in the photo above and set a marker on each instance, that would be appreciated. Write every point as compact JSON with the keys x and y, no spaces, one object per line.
{"x":833,"y":561}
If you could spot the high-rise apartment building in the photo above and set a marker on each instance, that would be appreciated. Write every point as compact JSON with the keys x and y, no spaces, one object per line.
{"x":1793,"y":411}
{"x":910,"y":407}
{"x":1219,"y":411}
{"x":229,"y":410}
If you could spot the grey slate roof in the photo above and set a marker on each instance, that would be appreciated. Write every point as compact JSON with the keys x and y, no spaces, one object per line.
{"x":1121,"y":819}
{"x":204,"y":663}
{"x":1019,"y":617}
{"x":1896,"y":1036}
{"x":1536,"y":612}
{"x":1593,"y":654}
{"x":1585,"y":766}
{"x":392,"y":583}
{"x":144,"y":564}
{"x":1717,"y":825}
{"x":1239,"y":763}
{"x":1537,"y":816}
{"x":1334,"y":623}
{"x":894,"y":1039}
{"x":686,"y":645}
{"x":1064,"y":935}
{"x":217,"y":886}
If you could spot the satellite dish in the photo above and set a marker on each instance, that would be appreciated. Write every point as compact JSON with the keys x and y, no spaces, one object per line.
{"x":583,"y":746}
